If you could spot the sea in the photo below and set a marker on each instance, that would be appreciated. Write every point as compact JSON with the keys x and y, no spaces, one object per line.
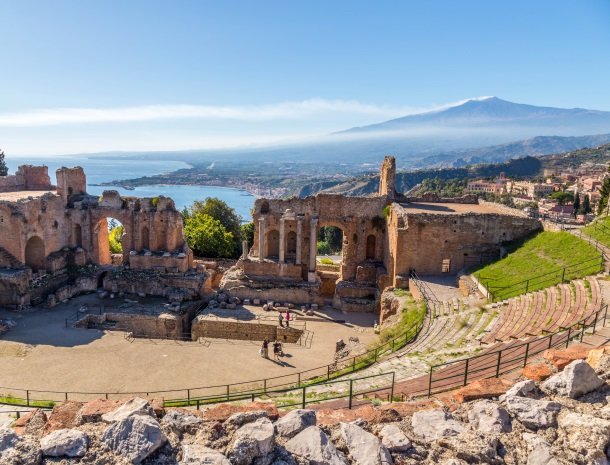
{"x":100,"y":170}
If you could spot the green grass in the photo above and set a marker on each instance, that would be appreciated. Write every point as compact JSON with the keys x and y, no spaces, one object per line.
{"x":600,"y":230}
{"x":327,"y":261}
{"x":22,"y":402}
{"x":413,"y":312}
{"x":539,"y":259}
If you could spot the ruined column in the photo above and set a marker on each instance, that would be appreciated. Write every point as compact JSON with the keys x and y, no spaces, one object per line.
{"x":244,"y":249}
{"x":313,"y":248}
{"x":299,"y":240}
{"x":261,"y":239}
{"x":282,"y":239}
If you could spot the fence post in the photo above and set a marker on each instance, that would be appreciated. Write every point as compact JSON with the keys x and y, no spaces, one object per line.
{"x":392,"y":388}
{"x":595,"y":322}
{"x":563,"y":275}
{"x":303,"y":401}
{"x":351,"y":390}
{"x":527,"y":350}
{"x":354,"y":364}
{"x":264,"y":386}
{"x":27,"y":398}
{"x":375,"y":354}
{"x":188,"y":396}
{"x":328,"y":372}
{"x":582,"y":332}
{"x":498,"y":363}
{"x":299,"y":378}
{"x":228,"y":393}
{"x":430,"y":383}
{"x":466,"y":372}
{"x":569,"y":336}
{"x":550,"y":340}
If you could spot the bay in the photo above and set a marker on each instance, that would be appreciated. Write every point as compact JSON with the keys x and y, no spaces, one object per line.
{"x":100,"y":170}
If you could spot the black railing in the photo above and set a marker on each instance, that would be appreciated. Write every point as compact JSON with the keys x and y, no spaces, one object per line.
{"x":450,"y":375}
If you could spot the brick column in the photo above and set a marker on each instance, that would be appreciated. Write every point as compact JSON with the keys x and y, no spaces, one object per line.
{"x":313,"y":248}
{"x":299,"y":240}
{"x":244,"y":249}
{"x":261,"y":239}
{"x":282,"y":239}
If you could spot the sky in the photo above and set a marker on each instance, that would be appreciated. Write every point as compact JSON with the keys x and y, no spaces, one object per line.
{"x":91,"y":76}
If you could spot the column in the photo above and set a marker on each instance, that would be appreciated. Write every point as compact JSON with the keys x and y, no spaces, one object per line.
{"x":313,"y":248}
{"x":299,"y":239}
{"x":282,"y":239}
{"x":261,"y":239}
{"x":244,"y":249}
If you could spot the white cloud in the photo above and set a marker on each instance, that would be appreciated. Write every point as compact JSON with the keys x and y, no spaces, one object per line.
{"x":297,"y":110}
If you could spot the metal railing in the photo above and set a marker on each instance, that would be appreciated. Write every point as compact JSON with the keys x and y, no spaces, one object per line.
{"x":534,"y":283}
{"x":450,"y":375}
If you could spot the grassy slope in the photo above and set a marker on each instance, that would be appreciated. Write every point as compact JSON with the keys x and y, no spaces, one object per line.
{"x":600,"y":230}
{"x":544,"y":254}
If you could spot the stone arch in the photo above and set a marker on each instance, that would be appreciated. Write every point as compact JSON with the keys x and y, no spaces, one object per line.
{"x":77,"y":235}
{"x":291,"y":243}
{"x":371,"y":245}
{"x":104,"y":255}
{"x":145,"y":238}
{"x":273,"y":243}
{"x":35,"y":253}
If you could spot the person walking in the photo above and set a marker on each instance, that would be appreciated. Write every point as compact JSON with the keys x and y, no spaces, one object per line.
{"x":276,"y":351}
{"x":287,"y":318}
{"x":265,"y":349}
{"x":280,"y":319}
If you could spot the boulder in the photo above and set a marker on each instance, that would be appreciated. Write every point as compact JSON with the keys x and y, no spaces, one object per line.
{"x":576,"y":379}
{"x":64,"y":416}
{"x":482,"y":389}
{"x":364,"y":448}
{"x":7,"y":439}
{"x":92,"y":411}
{"x":32,"y":423}
{"x":135,"y":406}
{"x":313,"y":445}
{"x":196,"y":454}
{"x":19,"y":450}
{"x":135,"y":437}
{"x":537,"y":371}
{"x":435,"y":424}
{"x":560,"y":358}
{"x":599,"y":359}
{"x":222,"y":412}
{"x":181,"y":421}
{"x":294,"y":422}
{"x":488,"y":417}
{"x":64,"y":443}
{"x":253,"y":441}
{"x":522,"y":389}
{"x":474,"y":447}
{"x":538,"y":450}
{"x":394,"y":439}
{"x":241,"y":418}
{"x":532,"y":413}
{"x":586,"y":436}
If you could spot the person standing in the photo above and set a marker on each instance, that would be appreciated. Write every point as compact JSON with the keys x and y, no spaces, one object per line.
{"x":265,"y":348}
{"x":280,"y":319}
{"x":288,"y":318}
{"x":276,"y":351}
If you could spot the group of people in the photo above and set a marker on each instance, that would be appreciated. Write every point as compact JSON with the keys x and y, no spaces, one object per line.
{"x":281,"y":318}
{"x":277,"y":350}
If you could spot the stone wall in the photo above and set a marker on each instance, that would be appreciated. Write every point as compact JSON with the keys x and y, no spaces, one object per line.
{"x":27,"y":177}
{"x":205,"y":327}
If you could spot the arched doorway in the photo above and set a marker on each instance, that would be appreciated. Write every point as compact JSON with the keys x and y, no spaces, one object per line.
{"x":35,"y":253}
{"x":329,"y":258}
{"x":145,"y":236}
{"x":77,"y":236}
{"x":110,"y":234}
{"x":371,"y":243}
{"x":273,"y":243}
{"x":291,"y":244}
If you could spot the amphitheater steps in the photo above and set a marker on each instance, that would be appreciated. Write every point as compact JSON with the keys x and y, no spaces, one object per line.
{"x":8,"y":260}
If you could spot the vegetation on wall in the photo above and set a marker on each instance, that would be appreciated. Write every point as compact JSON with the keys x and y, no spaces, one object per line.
{"x":115,"y":237}
{"x":3,"y":167}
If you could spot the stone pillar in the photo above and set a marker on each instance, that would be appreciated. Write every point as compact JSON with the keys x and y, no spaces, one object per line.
{"x":299,"y":240}
{"x":244,"y":249}
{"x":282,"y":239}
{"x":261,"y":239}
{"x":313,"y":248}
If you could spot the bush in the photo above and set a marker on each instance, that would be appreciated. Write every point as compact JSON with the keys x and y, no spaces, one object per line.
{"x":324,"y":248}
{"x":115,"y":238}
{"x":327,"y":261}
{"x":208,"y":237}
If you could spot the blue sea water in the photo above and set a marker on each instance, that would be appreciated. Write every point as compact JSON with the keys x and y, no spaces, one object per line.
{"x":104,"y":170}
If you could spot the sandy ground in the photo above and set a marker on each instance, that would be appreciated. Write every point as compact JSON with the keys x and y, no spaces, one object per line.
{"x":40,"y":353}
{"x":13,"y":196}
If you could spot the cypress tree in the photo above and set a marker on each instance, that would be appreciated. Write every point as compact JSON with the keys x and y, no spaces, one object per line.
{"x":3,"y":167}
{"x":586,"y":205}
{"x":576,"y":204}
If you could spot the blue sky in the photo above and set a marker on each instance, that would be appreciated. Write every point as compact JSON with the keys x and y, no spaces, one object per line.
{"x":86,"y":76}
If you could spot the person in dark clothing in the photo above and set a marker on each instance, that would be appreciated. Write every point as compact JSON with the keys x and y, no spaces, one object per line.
{"x":265,"y":348}
{"x":280,"y":319}
{"x":277,"y":348}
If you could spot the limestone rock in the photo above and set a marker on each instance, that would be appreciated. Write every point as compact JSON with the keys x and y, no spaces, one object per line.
{"x":253,"y":441}
{"x":313,"y":445}
{"x":599,"y":358}
{"x":294,"y":422}
{"x":560,"y":358}
{"x":135,"y":406}
{"x":364,"y":448}
{"x":539,"y":451}
{"x":487,"y":416}
{"x":241,"y":418}
{"x":537,"y":371}
{"x":482,"y":389}
{"x":586,"y":436}
{"x":7,"y":438}
{"x":64,"y":442}
{"x":22,"y":451}
{"x":533,"y":413}
{"x":134,"y":437}
{"x":435,"y":424}
{"x":522,"y":389}
{"x":65,"y":416}
{"x":196,"y":454}
{"x":180,"y":421}
{"x":394,"y":439}
{"x":92,"y":411}
{"x":576,"y":379}
{"x":473,"y":447}
{"x":33,"y":423}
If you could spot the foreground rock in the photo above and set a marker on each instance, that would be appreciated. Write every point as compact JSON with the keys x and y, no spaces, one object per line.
{"x":482,"y":389}
{"x":586,"y":437}
{"x":18,"y":451}
{"x":435,"y":424}
{"x":538,"y":450}
{"x":576,"y":379}
{"x":196,"y":454}
{"x":253,"y":441}
{"x":532,"y":413}
{"x":64,"y":442}
{"x":180,"y":421}
{"x":135,"y":406}
{"x":294,"y":422}
{"x":313,"y":445}
{"x":364,"y":448}
{"x":135,"y":437}
{"x":394,"y":439}
{"x":489,"y":417}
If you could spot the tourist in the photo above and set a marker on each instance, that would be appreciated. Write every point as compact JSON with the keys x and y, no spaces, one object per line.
{"x":265,"y":348}
{"x":287,"y":318}
{"x":280,"y":319}
{"x":277,"y":348}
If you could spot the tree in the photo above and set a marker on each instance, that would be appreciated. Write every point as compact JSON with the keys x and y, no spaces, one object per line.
{"x":562,"y":197}
{"x":604,"y":192}
{"x":3,"y":167}
{"x":220,"y":211}
{"x":208,"y":237}
{"x":332,"y":237}
{"x":585,"y":208}
{"x":576,"y":204}
{"x":115,"y":238}
{"x":246,"y":233}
